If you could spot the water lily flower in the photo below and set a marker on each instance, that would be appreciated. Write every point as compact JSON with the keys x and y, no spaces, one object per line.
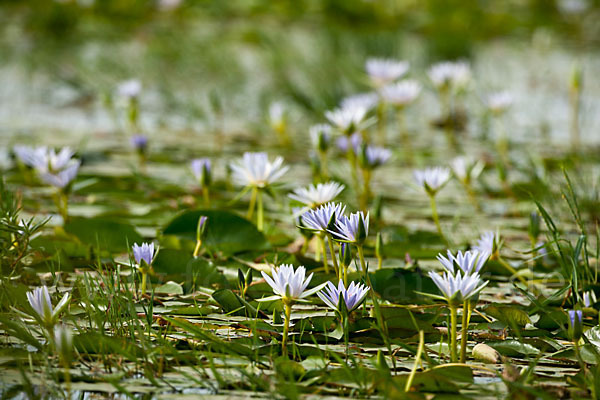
{"x":320,"y":136}
{"x":589,"y":298}
{"x":499,"y":102}
{"x":347,"y":119}
{"x":353,"y":143}
{"x":466,"y":170}
{"x":40,"y":301}
{"x":318,"y":220}
{"x":316,"y":195}
{"x":34,"y":157}
{"x":129,"y":89}
{"x":201,"y":168}
{"x":361,"y":100}
{"x":469,"y":262}
{"x":575,"y":324}
{"x":287,"y":283}
{"x":489,"y":243}
{"x":353,"y":295}
{"x":432,"y":179}
{"x":374,"y":156}
{"x":383,"y":71}
{"x":456,"y":288}
{"x":61,"y":179}
{"x":352,"y":229}
{"x":450,"y":75}
{"x":143,"y":256}
{"x":256,"y":170}
{"x":402,"y":93}
{"x":139,"y":142}
{"x":143,"y":253}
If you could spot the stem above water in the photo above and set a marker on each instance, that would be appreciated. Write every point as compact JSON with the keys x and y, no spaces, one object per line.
{"x":324,"y":250}
{"x":286,"y":328}
{"x":453,"y":328}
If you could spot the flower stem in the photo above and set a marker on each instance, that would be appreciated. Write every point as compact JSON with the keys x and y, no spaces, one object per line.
{"x":206,"y":196}
{"x":333,"y":256}
{"x":286,"y":328}
{"x":366,"y":194}
{"x":323,"y":161}
{"x":144,"y":278}
{"x":361,"y":256}
{"x":260,"y":217}
{"x":453,"y":328}
{"x":197,"y":248}
{"x":465,"y":330}
{"x":436,"y":218}
{"x":417,"y":361}
{"x":324,"y":250}
{"x":252,"y":203}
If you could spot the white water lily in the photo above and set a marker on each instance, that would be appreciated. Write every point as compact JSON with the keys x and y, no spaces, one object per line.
{"x":488,"y":242}
{"x":353,"y":295}
{"x":375,"y":156}
{"x":402,"y":93}
{"x":468,"y":262}
{"x":432,"y":179}
{"x":456,"y":288}
{"x":318,"y":220}
{"x":40,"y":301}
{"x":362,"y":100}
{"x":316,"y":195}
{"x":347,"y":119}
{"x":129,"y":89}
{"x":499,"y":102}
{"x":287,"y":283}
{"x":320,"y":136}
{"x":31,"y":156}
{"x":255,"y":169}
{"x":450,"y":75}
{"x":352,"y":229}
{"x":466,"y":170}
{"x":382,"y":71}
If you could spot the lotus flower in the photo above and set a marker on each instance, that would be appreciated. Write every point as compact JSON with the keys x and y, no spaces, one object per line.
{"x":353,"y":229}
{"x":432,"y":179}
{"x":318,"y":220}
{"x":456,"y":288}
{"x":468,"y":262}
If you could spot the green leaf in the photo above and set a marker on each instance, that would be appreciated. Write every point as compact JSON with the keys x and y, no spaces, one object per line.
{"x":509,"y":315}
{"x":181,"y":266}
{"x":104,"y":233}
{"x":514,"y":348}
{"x":402,"y":286}
{"x":234,"y":304}
{"x":225,"y":232}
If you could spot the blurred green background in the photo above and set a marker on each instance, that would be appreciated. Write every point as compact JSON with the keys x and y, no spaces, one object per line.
{"x":59,"y":59}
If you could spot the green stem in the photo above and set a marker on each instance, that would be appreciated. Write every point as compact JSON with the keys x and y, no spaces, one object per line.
{"x":144,"y":278}
{"x":436,"y":218}
{"x":252,"y":203}
{"x":286,"y":329}
{"x":465,"y":330}
{"x":417,"y":361}
{"x":453,"y":341}
{"x":206,"y":196}
{"x":383,"y":331}
{"x":260,"y":217}
{"x":346,"y":329}
{"x":197,"y":248}
{"x":324,"y":170}
{"x":324,"y":251}
{"x":366,"y":194}
{"x":379,"y":262}
{"x":333,"y":256}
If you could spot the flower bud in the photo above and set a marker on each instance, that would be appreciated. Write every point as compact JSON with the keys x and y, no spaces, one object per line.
{"x":575,"y":324}
{"x":345,"y":254}
{"x":379,"y":246}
